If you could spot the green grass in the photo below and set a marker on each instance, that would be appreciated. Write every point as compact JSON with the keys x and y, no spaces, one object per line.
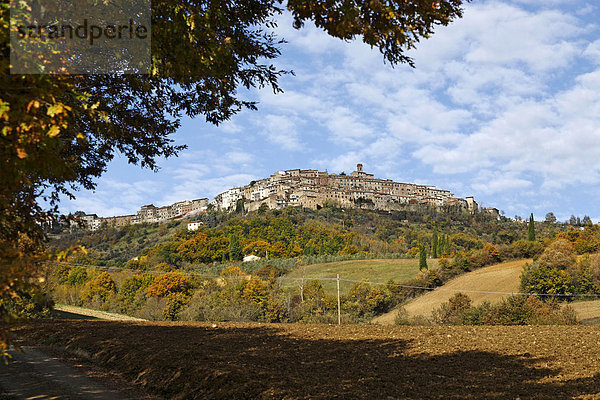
{"x":380,"y":271}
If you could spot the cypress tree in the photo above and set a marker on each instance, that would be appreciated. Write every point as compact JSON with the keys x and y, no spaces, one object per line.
{"x":235,"y":248}
{"x":434,"y":244}
{"x":531,"y":229}
{"x":447,"y":244}
{"x":440,"y":246}
{"x":423,"y":259}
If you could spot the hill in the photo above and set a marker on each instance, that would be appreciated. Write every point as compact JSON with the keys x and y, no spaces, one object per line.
{"x":375,"y":271}
{"x":587,"y":311}
{"x":504,"y":278}
{"x":291,"y":232}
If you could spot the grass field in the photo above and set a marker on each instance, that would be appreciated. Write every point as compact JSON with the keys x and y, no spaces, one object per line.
{"x":294,"y":361}
{"x":505,"y":278}
{"x":380,"y":271}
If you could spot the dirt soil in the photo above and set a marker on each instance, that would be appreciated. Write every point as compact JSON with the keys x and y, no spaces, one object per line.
{"x":270,"y":361}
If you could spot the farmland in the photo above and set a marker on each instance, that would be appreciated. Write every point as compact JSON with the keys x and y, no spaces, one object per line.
{"x":241,"y":360}
{"x":376,"y":271}
{"x":496,"y":280}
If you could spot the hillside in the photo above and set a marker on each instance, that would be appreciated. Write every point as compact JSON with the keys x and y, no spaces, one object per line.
{"x":296,"y":361}
{"x":291,"y":232}
{"x":504,"y":277}
{"x":587,"y":311}
{"x":375,"y":271}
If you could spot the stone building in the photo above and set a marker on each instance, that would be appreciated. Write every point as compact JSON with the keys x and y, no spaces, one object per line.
{"x":312,"y":188}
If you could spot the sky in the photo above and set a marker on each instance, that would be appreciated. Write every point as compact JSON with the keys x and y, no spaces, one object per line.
{"x":503,"y":105}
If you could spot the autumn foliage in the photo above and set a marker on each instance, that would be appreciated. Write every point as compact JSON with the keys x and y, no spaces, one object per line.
{"x":168,"y":284}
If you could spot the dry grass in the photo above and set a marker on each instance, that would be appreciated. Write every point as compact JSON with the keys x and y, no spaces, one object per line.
{"x":69,"y":312}
{"x":240,"y":361}
{"x":587,"y":309}
{"x":505,"y":278}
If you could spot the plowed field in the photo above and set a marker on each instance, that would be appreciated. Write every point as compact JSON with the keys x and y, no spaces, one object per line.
{"x":230,"y":361}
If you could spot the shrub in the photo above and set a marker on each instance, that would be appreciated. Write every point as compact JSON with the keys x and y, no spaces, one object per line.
{"x":365,"y":300}
{"x":77,"y":276}
{"x":134,"y":289}
{"x":542,"y":279}
{"x":270,"y":270}
{"x":62,"y":273}
{"x":514,"y":310}
{"x":98,"y":290}
{"x":175,"y":304}
{"x":169,"y":283}
{"x":449,"y":313}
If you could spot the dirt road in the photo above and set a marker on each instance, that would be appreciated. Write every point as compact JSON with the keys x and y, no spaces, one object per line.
{"x":33,"y":374}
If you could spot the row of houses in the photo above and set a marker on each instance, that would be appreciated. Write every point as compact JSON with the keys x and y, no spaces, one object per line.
{"x":306,"y":188}
{"x":313,"y":188}
{"x":148,"y":213}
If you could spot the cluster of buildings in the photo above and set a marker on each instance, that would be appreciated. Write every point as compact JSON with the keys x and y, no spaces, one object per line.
{"x":148,"y":213}
{"x":305,"y":188}
{"x":313,"y":189}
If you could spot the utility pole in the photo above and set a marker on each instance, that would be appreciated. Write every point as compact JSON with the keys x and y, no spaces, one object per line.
{"x":338,"y":299}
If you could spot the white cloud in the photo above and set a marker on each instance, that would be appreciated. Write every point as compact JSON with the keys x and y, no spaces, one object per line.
{"x":281,"y":130}
{"x":503,"y":101}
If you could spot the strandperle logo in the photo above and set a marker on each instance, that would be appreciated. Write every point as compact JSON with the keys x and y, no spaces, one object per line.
{"x":86,"y":30}
{"x":80,"y":37}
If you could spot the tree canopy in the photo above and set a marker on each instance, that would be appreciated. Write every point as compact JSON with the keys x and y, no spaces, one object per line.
{"x":59,"y":132}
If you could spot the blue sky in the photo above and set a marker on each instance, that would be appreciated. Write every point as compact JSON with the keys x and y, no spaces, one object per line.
{"x":503,"y":105}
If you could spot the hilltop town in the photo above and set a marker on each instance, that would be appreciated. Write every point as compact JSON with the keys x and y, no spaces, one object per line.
{"x":306,"y":188}
{"x":311,"y":188}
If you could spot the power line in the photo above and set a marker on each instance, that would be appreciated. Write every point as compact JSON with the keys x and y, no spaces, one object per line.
{"x":284,"y":278}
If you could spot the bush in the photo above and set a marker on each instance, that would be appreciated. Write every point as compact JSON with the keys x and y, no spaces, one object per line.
{"x":540,"y":279}
{"x":133,"y":291}
{"x":98,"y":290}
{"x":169,"y":283}
{"x":450,"y":313}
{"x":77,"y":276}
{"x":514,"y":310}
{"x":365,"y":301}
{"x":62,"y":273}
{"x":175,"y":304}
{"x":270,"y":270}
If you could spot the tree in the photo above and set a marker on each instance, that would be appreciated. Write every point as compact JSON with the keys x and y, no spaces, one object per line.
{"x":100,"y":288}
{"x":434,"y":244}
{"x":531,"y":229}
{"x":423,"y":259}
{"x":235,"y":248}
{"x":586,"y":220}
{"x":559,"y":254}
{"x":61,"y":131}
{"x":572,"y":220}
{"x":550,"y":218}
{"x":258,"y":248}
{"x":262,"y":209}
{"x":169,"y":283}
